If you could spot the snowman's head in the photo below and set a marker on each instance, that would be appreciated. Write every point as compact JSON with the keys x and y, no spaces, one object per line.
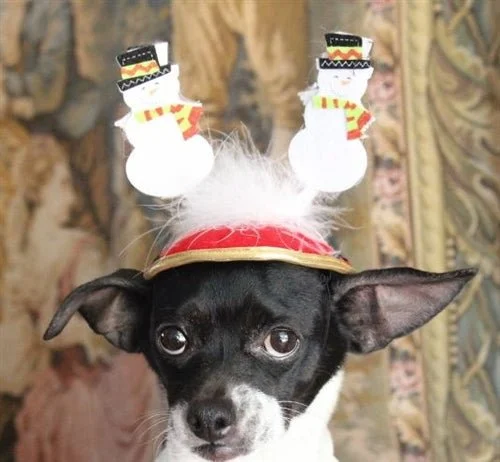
{"x":159,"y":91}
{"x":344,"y":83}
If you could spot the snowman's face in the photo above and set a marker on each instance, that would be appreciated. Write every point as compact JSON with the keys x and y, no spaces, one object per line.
{"x":343,"y":83}
{"x":156,"y":92}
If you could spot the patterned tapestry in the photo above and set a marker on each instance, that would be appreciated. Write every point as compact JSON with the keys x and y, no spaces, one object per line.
{"x":67,"y":213}
{"x":451,"y":53}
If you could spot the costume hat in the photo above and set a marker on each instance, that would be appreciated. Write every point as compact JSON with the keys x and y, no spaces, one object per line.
{"x":141,"y":64}
{"x":249,"y":209}
{"x":345,"y":51}
{"x":257,"y":243}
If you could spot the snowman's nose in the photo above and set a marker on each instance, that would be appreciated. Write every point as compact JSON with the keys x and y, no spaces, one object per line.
{"x":345,"y":82}
{"x":152,"y":91}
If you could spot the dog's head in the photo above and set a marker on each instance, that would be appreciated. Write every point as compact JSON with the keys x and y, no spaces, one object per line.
{"x":242,"y":348}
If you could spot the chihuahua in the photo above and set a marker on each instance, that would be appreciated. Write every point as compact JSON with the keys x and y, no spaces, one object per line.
{"x":250,"y":353}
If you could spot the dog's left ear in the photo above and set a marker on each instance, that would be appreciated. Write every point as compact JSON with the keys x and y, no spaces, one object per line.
{"x":374,"y":307}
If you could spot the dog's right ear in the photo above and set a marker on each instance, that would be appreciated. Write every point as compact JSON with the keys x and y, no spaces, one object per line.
{"x":116,"y":306}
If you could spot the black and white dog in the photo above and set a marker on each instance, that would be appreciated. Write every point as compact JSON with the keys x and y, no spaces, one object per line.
{"x":250,"y":353}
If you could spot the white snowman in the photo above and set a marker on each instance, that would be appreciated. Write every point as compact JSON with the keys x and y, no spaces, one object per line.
{"x":169,"y":156}
{"x":328,"y":154}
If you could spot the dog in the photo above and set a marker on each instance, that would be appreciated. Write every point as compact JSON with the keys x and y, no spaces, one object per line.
{"x":247,"y":315}
{"x":250,"y":354}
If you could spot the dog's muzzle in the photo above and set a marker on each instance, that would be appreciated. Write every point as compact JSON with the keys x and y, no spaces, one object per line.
{"x":226,"y":426}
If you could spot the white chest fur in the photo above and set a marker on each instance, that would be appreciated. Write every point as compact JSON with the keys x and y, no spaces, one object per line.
{"x":307,"y":439}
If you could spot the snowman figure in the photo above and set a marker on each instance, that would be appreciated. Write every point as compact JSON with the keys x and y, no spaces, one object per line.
{"x":328,"y":154}
{"x":169,"y":156}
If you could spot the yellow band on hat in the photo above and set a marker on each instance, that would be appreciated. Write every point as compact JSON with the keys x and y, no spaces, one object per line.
{"x":139,"y":69}
{"x":345,"y":53}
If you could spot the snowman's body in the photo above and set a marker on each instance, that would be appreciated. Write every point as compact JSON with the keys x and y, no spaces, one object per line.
{"x":139,"y":133}
{"x":165,"y":162}
{"x":321,"y":154}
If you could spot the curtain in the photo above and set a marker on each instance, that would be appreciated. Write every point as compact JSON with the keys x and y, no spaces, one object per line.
{"x":67,"y":214}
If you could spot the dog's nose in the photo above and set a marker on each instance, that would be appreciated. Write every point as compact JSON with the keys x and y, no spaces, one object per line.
{"x":211,"y":419}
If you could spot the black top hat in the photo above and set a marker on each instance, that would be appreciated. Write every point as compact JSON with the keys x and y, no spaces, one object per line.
{"x":142,"y":54}
{"x":345,"y":52}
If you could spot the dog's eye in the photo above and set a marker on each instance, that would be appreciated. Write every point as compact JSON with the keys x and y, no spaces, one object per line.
{"x":172,"y":340}
{"x":281,"y":343}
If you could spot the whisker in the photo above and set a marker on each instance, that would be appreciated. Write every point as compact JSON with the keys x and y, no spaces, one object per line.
{"x":155,"y":241}
{"x":152,"y":426}
{"x":289,"y":409}
{"x":298,"y":403}
{"x":159,"y":441}
{"x":133,"y":241}
{"x":150,"y":416}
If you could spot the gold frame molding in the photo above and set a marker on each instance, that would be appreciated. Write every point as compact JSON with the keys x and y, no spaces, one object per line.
{"x":427,"y":204}
{"x":450,"y":63}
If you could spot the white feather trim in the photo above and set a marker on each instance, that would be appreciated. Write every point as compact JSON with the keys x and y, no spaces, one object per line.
{"x":248,"y":189}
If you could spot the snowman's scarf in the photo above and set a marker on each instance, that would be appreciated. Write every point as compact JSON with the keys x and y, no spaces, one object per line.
{"x":186,"y":115}
{"x":357,"y":117}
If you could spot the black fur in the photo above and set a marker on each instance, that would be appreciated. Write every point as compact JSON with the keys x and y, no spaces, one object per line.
{"x":227,"y":309}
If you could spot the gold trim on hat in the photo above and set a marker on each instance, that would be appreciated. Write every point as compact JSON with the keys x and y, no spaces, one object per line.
{"x":328,"y":262}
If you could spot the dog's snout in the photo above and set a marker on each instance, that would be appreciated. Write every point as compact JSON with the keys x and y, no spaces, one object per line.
{"x":211,"y":419}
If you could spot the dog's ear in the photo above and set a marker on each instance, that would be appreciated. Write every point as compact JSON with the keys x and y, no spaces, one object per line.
{"x":377,"y":306}
{"x":116,"y":306}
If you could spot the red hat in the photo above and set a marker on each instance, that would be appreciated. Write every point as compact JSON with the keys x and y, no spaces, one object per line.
{"x":266,"y":243}
{"x":249,"y":209}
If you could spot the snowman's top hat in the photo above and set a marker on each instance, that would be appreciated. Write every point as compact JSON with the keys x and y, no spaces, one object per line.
{"x":142,"y":63}
{"x":346,"y":51}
